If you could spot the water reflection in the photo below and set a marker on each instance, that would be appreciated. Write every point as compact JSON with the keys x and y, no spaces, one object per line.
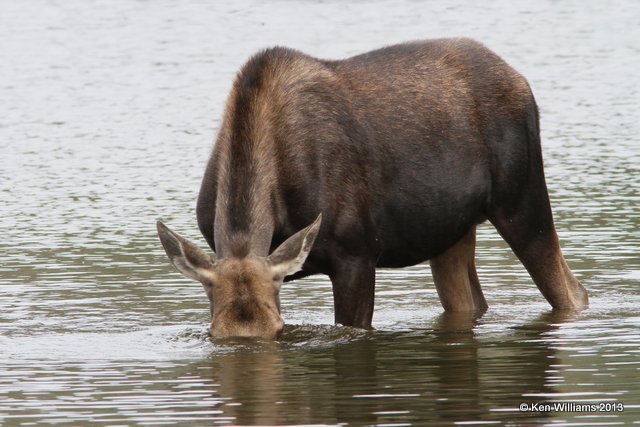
{"x":444,"y":374}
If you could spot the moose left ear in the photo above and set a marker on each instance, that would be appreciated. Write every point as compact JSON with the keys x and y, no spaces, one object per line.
{"x":185,"y":256}
{"x":289,"y":257}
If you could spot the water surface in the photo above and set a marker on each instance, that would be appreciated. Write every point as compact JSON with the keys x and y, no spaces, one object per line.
{"x":107,"y":115}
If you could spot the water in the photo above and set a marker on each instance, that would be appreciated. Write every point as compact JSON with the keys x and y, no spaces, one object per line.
{"x":107,"y":115}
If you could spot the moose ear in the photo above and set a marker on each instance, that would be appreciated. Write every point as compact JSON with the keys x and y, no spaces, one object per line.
{"x":186,"y":257}
{"x":289,"y":257}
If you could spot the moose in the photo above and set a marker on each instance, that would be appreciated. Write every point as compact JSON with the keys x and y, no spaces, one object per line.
{"x":385,"y":159}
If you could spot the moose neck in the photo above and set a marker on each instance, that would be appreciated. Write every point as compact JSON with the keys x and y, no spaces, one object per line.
{"x":243,"y":224}
{"x":244,"y":221}
{"x":246,"y":154}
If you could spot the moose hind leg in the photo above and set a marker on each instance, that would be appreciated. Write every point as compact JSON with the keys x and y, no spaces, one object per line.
{"x":455,"y":276}
{"x":532,"y":236}
{"x":525,"y":221}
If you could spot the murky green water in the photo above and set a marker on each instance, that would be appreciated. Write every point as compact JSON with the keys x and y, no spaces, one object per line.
{"x":107,"y":114}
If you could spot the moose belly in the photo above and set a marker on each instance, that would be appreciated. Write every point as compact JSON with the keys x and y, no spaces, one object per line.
{"x":417,"y":223}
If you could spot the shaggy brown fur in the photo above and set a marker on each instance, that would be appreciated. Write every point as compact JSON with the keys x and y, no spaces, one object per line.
{"x":403,"y":150}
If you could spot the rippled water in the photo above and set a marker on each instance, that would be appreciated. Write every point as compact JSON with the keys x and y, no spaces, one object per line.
{"x":107,"y":114}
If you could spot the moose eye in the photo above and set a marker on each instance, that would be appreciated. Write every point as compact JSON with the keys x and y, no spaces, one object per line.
{"x":207,"y":285}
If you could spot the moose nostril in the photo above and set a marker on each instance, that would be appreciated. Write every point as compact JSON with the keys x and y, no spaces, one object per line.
{"x":215,"y":331}
{"x":279,"y":329}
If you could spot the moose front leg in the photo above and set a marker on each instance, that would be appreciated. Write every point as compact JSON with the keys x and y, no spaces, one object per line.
{"x":353,"y":281}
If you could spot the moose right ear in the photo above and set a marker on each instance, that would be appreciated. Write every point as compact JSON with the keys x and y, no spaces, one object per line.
{"x":185,"y":256}
{"x":289,"y":257}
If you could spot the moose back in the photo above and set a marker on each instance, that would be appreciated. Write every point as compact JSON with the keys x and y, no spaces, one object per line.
{"x":385,"y":159}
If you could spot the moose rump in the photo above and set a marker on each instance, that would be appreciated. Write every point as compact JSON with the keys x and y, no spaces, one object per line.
{"x":403,"y":151}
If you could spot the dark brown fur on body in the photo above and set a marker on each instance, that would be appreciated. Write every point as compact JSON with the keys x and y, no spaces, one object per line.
{"x":348,"y":138}
{"x":403,"y":150}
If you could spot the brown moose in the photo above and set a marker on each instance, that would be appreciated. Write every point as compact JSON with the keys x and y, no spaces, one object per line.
{"x":393,"y":157}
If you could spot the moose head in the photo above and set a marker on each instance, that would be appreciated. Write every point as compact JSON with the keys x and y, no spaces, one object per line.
{"x":243,"y":292}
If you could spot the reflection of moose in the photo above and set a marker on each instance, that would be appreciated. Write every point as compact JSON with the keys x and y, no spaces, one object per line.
{"x":443,"y":376}
{"x":393,"y":157}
